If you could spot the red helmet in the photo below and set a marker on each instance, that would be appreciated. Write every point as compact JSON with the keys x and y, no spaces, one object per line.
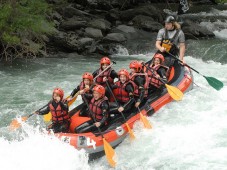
{"x":59,"y":91}
{"x":136,"y":65}
{"x":160,"y":56}
{"x":123,"y":72}
{"x":87,"y":75}
{"x":105,"y":60}
{"x":100,"y":89}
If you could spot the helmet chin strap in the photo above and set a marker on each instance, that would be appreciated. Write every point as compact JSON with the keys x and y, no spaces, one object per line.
{"x":123,"y":81}
{"x":104,"y":67}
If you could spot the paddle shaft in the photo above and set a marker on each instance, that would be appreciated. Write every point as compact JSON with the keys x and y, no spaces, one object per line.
{"x":104,"y":70}
{"x":184,"y":63}
{"x":15,"y":124}
{"x":108,"y":86}
{"x":154,"y":73}
{"x":139,"y":109}
{"x":215,"y":83}
{"x":91,"y":115}
{"x":38,"y":109}
{"x":30,"y":115}
{"x":73,"y":97}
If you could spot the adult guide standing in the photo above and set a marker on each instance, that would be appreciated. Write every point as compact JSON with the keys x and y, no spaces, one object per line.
{"x":171,"y":41}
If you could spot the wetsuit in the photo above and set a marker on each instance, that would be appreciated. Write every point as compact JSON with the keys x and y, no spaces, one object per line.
{"x":83,"y":110}
{"x":100,"y":111}
{"x":139,"y":90}
{"x":156,"y":86}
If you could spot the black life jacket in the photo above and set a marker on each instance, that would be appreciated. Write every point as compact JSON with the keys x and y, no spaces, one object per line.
{"x":168,"y":42}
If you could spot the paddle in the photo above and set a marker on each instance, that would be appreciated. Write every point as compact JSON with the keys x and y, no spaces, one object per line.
{"x":48,"y":117}
{"x":109,"y":151}
{"x":174,"y":92}
{"x":113,"y":62}
{"x":213,"y":82}
{"x":132,"y":136}
{"x":16,"y":124}
{"x":145,"y":121}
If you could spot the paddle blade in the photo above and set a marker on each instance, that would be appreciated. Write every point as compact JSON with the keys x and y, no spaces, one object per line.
{"x":47,"y":117}
{"x":110,"y":153}
{"x":72,"y":101}
{"x":16,"y":124}
{"x":145,"y":121}
{"x":215,"y":83}
{"x":132,"y":136}
{"x":174,"y":92}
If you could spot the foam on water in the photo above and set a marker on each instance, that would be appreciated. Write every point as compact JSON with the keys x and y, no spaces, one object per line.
{"x":39,"y":151}
{"x":190,"y":134}
{"x":221,"y":34}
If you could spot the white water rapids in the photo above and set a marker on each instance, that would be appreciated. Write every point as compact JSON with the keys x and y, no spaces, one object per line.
{"x":190,"y":134}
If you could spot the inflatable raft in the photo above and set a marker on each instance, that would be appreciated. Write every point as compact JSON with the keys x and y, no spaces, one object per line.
{"x":116,"y":131}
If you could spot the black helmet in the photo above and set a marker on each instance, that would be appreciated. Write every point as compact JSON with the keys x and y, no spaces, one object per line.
{"x":169,"y":19}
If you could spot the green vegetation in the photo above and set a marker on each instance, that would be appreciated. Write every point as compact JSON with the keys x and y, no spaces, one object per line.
{"x":23,"y":25}
{"x":221,"y":1}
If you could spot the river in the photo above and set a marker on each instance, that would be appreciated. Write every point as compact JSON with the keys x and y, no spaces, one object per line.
{"x":190,"y":134}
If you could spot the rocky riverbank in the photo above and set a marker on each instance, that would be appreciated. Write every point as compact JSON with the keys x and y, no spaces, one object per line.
{"x":91,"y":27}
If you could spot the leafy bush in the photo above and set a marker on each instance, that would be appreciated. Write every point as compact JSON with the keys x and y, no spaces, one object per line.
{"x":221,"y":1}
{"x":22,"y":26}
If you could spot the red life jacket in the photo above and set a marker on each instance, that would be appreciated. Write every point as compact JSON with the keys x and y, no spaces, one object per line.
{"x":121,"y":94}
{"x":145,"y":86}
{"x":99,"y":79}
{"x":95,"y":107}
{"x":155,"y":81}
{"x":58,"y":115}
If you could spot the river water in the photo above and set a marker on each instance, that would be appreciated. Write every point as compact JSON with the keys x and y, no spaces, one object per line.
{"x":190,"y":134}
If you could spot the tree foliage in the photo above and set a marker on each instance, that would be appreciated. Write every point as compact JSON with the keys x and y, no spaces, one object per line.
{"x":221,"y":1}
{"x":23,"y":23}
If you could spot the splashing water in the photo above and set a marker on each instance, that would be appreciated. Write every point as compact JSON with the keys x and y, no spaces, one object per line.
{"x":39,"y":151}
{"x":190,"y":134}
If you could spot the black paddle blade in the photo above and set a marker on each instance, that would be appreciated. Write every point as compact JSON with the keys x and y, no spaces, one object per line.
{"x":215,"y":83}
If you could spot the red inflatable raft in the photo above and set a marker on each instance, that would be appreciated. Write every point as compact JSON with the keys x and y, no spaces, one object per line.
{"x":116,"y":131}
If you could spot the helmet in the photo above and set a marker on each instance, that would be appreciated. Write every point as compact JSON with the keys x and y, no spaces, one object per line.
{"x":105,"y":60}
{"x":100,"y":89}
{"x":136,"y":65}
{"x":169,"y":19}
{"x":160,"y":56}
{"x":87,"y":75}
{"x":124,"y":72}
{"x":59,"y":91}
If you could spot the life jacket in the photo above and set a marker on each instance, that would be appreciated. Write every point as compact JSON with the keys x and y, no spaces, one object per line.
{"x":136,"y":88}
{"x":99,"y":79}
{"x":58,"y":114}
{"x":95,"y":107}
{"x":155,"y":81}
{"x":168,"y":44}
{"x":120,"y":92}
